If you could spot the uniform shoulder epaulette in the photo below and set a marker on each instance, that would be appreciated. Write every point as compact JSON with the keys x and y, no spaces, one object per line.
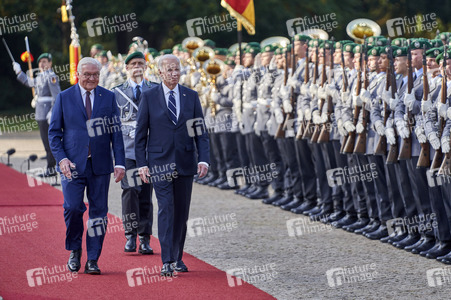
{"x":117,"y":86}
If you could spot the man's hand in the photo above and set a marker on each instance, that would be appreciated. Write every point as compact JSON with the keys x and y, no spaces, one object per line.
{"x":426,"y":105}
{"x":144,"y":174}
{"x":66,"y":165}
{"x":119,"y":173}
{"x":17,"y":68}
{"x":202,"y":170}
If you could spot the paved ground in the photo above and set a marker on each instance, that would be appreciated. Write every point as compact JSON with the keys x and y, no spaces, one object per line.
{"x":237,"y":233}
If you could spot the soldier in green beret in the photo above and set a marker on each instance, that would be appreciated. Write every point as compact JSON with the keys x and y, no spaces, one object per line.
{"x":96,"y":48}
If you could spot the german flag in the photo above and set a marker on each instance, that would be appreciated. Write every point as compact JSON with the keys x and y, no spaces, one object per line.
{"x":243,"y":11}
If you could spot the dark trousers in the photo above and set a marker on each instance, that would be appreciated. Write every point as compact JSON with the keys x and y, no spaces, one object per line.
{"x":174,"y":198}
{"x":256,"y":154}
{"x":344,"y":203}
{"x":242,"y":150}
{"x":369,"y":186}
{"x":382,"y":195}
{"x":274,"y":156}
{"x":394,"y":194}
{"x":229,"y":150}
{"x":307,"y":168}
{"x":358,"y":191}
{"x":215,"y":144}
{"x":44,"y":132}
{"x":137,"y":208}
{"x":97,"y":193}
{"x":320,"y":170}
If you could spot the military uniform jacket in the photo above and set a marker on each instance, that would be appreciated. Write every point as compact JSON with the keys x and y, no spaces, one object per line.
{"x":128,"y":113}
{"x":250,"y":100}
{"x":265,"y":94}
{"x":47,"y":87}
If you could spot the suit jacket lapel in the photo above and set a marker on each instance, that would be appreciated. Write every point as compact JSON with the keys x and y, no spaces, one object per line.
{"x":79,"y":101}
{"x":97,"y":102}
{"x":182,"y":96}
{"x":162,"y":101}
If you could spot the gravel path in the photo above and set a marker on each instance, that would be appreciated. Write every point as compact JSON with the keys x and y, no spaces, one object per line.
{"x":231,"y":232}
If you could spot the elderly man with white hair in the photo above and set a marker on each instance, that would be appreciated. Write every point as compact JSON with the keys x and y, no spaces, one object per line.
{"x":170,"y":128}
{"x":84,"y":131}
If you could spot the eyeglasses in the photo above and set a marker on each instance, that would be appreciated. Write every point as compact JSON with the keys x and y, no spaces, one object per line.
{"x":87,"y":75}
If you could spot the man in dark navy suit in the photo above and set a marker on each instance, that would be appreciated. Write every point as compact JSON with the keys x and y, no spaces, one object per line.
{"x":84,"y":132}
{"x":170,"y":142}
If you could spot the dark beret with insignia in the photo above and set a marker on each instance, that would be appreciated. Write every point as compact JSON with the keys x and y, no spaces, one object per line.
{"x":45,"y":55}
{"x":136,"y":54}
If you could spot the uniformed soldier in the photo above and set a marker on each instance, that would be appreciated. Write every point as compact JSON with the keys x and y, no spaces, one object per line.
{"x":136,"y":198}
{"x":96,"y":48}
{"x":46,"y":85}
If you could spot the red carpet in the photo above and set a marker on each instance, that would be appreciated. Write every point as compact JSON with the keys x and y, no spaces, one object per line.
{"x":32,"y":233}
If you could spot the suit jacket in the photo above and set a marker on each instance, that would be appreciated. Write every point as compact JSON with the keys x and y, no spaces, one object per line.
{"x":71,"y":135}
{"x":166,"y":143}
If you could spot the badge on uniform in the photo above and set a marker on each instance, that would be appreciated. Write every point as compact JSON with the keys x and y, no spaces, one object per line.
{"x":53,"y":79}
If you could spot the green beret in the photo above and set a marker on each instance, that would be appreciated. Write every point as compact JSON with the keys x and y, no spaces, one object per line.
{"x":349,"y":47}
{"x":252,"y":49}
{"x":45,"y":55}
{"x":209,"y":43}
{"x":278,"y":51}
{"x":153,"y":51}
{"x":340,"y":44}
{"x":399,"y":42}
{"x":419,"y":44}
{"x":376,"y":51}
{"x":136,"y":54}
{"x":102,"y":53}
{"x":286,"y":49}
{"x":302,"y":38}
{"x":326,"y":44}
{"x":316,"y":42}
{"x":443,"y":36}
{"x":221,"y":51}
{"x":433,"y":53}
{"x":269,"y":48}
{"x":134,"y":44}
{"x":372,"y":40}
{"x":439,"y":58}
{"x":165,"y":51}
{"x":357,"y":48}
{"x":401,"y":51}
{"x":381,"y":42}
{"x":436,"y":43}
{"x":97,"y":46}
{"x":230,"y":62}
{"x":177,"y":47}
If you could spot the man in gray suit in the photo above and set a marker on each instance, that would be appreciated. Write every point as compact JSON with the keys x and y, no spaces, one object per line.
{"x":137,"y":209}
{"x":47,"y":87}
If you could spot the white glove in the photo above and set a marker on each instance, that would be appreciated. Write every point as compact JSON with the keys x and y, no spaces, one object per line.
{"x":346,"y":98}
{"x":305,"y":89}
{"x":287,"y":108}
{"x":313,"y":90}
{"x":283,"y":92}
{"x":300,"y":115}
{"x":359,"y":128}
{"x":257,"y":132}
{"x":394,"y":102}
{"x":308,"y":114}
{"x":390,"y":134}
{"x":380,"y":128}
{"x":316,"y":117}
{"x":445,"y":144}
{"x":448,"y":113}
{"x":34,"y":101}
{"x":322,"y":93}
{"x":17,"y":68}
{"x":324,"y":118}
{"x":341,"y":129}
{"x":426,"y":105}
{"x":215,"y":97}
{"x":356,"y":100}
{"x":247,"y":105}
{"x":269,"y":124}
{"x":279,"y":116}
{"x":434,"y":140}
{"x":402,"y":129}
{"x":442,"y":109}
{"x":49,"y":116}
{"x":292,"y":82}
{"x":365,"y":95}
{"x":409,"y":100}
{"x":254,"y":104}
{"x":421,"y":138}
{"x":331,"y":89}
{"x":132,"y":133}
{"x":386,"y":95}
{"x":349,"y":126}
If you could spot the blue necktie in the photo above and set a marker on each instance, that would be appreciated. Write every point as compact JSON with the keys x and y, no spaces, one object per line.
{"x":137,"y":93}
{"x":172,"y":108}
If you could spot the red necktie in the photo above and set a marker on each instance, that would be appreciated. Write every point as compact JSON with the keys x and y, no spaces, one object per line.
{"x":88,"y":105}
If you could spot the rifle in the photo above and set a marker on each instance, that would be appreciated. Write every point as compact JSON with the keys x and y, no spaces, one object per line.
{"x":289,"y":116}
{"x":324,"y":136}
{"x":345,"y":88}
{"x":280,"y":133}
{"x":349,"y":147}
{"x":393,"y":149}
{"x":423,"y":160}
{"x":317,"y":131}
{"x":308,"y":132}
{"x":446,"y":163}
{"x":381,"y":147}
{"x":360,"y":145}
{"x":303,"y":124}
{"x":406,"y":144}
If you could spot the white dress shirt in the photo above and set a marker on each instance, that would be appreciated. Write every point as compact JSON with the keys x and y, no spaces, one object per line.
{"x":91,"y":96}
{"x":133,"y":86}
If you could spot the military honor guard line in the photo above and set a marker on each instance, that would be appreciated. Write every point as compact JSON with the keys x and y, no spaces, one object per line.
{"x":356,"y":135}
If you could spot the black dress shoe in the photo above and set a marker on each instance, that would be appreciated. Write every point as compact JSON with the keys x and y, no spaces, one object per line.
{"x":179,"y":266}
{"x":130,"y":245}
{"x":92,"y":268}
{"x":378,"y":234}
{"x":273,"y":198}
{"x":243,"y":190}
{"x":208,"y":180}
{"x":217,"y":182}
{"x":144,"y":245}
{"x":425,"y":245}
{"x":307,"y":205}
{"x":360,"y":223}
{"x":443,"y":249}
{"x":346,"y":220}
{"x":408,"y":241}
{"x":167,"y":270}
{"x":446,"y":259}
{"x":285,"y":200}
{"x":226,"y":186}
{"x":74,"y":264}
{"x":321,"y":216}
{"x":260,"y":193}
{"x":337,"y":215}
{"x":373,"y":225}
{"x":315,"y":210}
{"x":294,"y":203}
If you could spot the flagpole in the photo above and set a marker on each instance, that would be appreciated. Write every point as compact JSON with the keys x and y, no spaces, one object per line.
{"x":240,"y":40}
